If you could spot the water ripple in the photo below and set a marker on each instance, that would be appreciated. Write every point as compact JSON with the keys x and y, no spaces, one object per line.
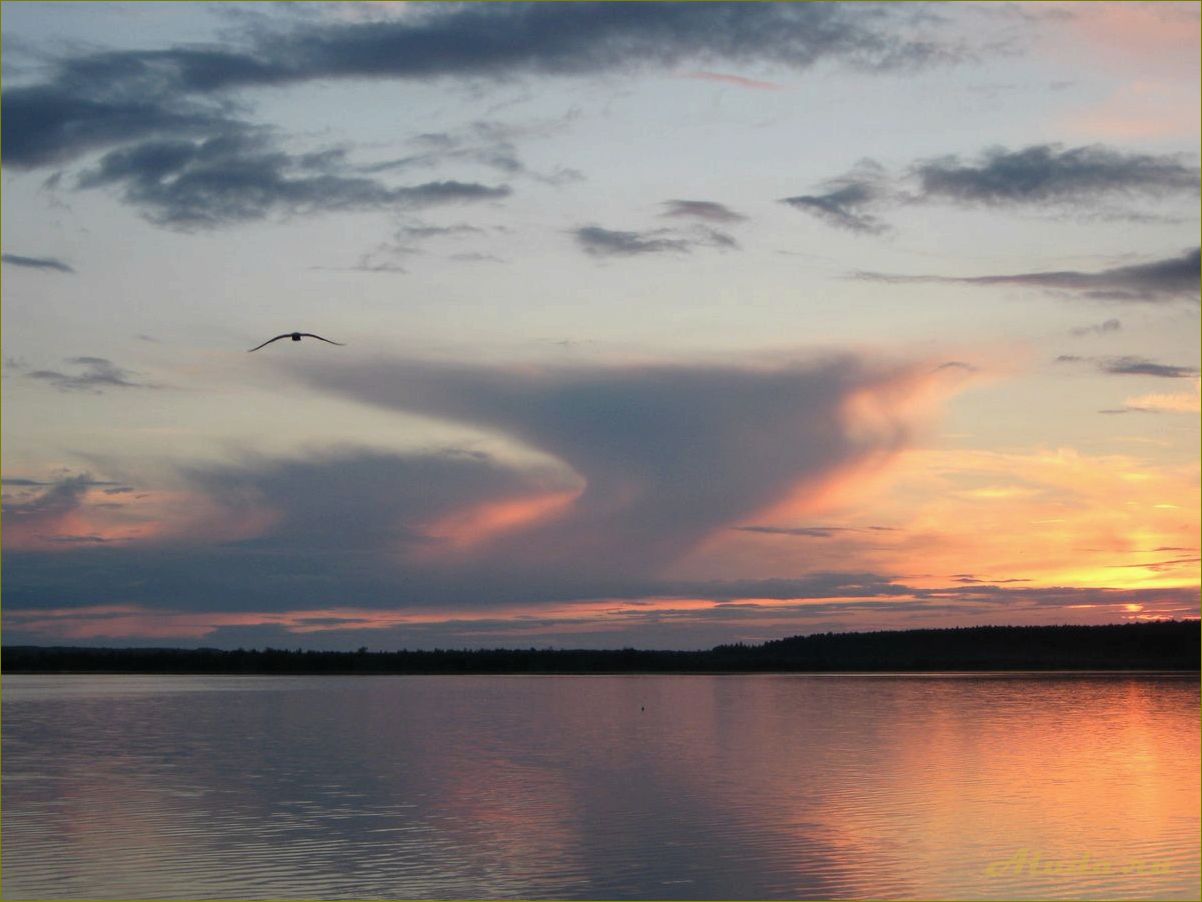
{"x":992,"y":786}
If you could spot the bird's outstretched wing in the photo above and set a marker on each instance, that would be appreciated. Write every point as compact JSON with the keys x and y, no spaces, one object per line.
{"x":269,"y":341}
{"x":311,"y":335}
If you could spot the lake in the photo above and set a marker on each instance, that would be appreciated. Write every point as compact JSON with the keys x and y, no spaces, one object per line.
{"x":604,"y":787}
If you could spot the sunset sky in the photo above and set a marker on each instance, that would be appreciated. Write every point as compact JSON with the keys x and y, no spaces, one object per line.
{"x":665,"y":325}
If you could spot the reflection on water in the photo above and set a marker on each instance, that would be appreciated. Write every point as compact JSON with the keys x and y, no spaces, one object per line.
{"x":888,"y":787}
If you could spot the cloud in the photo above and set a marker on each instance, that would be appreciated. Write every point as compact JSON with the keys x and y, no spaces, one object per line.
{"x":1131,"y":366}
{"x":358,"y":500}
{"x":1043,"y":176}
{"x":47,"y":514}
{"x":957,"y":365}
{"x":845,"y":199}
{"x":643,"y":463}
{"x":36,"y":262}
{"x":811,"y":532}
{"x":707,"y":210}
{"x":599,"y":242}
{"x":1175,"y":402}
{"x":1170,"y":279}
{"x":81,"y":480}
{"x":239,"y":177}
{"x":408,"y":241}
{"x":99,"y":100}
{"x":1046,"y":173}
{"x":53,"y":123}
{"x":648,"y":441}
{"x":822,"y":603}
{"x":1138,"y":366}
{"x":737,"y":80}
{"x":486,"y":143}
{"x":96,"y":374}
{"x":1102,"y":328}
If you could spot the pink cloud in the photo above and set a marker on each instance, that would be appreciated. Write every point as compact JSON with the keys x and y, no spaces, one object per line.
{"x":1144,"y":108}
{"x":737,"y":80}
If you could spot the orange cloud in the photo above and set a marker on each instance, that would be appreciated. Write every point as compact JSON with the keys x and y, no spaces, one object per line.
{"x":1056,"y":518}
{"x":82,"y":515}
{"x":476,"y":525}
{"x":939,"y":517}
{"x":1178,"y":402}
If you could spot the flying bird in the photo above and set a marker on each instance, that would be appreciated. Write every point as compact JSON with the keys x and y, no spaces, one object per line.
{"x":296,"y":336}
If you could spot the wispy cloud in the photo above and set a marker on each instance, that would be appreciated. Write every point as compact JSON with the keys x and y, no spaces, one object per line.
{"x":1160,"y":281}
{"x":1131,"y":366}
{"x":484,"y":143}
{"x":93,"y":374}
{"x":738,"y":81}
{"x":37,"y":262}
{"x":599,"y":242}
{"x":811,"y":532}
{"x":1102,"y":328}
{"x":707,"y":210}
{"x":846,"y":200}
{"x":1049,"y":173}
{"x":1139,"y":366}
{"x":1084,"y":181}
{"x":239,"y":177}
{"x":45,"y":511}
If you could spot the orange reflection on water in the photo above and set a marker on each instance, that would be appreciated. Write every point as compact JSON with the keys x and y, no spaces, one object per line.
{"x":1085,"y":770}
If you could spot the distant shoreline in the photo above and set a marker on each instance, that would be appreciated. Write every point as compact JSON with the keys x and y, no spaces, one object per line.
{"x":1154,"y":647}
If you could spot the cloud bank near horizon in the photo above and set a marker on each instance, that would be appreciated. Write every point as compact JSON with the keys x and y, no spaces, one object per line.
{"x":643,"y":464}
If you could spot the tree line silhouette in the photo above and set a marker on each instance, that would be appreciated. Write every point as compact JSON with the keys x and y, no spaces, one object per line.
{"x":1162,"y":645}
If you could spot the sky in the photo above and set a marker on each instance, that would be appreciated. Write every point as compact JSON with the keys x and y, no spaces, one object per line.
{"x":662,"y":325}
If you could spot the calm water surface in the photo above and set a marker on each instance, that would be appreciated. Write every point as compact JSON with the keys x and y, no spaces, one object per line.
{"x":610,"y":787}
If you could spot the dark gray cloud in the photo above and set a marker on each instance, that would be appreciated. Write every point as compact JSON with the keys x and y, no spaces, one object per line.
{"x":846,"y":200}
{"x":240,"y":176}
{"x":354,"y":500}
{"x":98,"y":100}
{"x":1138,"y":366}
{"x":82,"y":479}
{"x":598,"y":242}
{"x":959,"y":365}
{"x":707,"y":210}
{"x":1130,"y":366}
{"x":36,"y":262}
{"x":971,"y":580}
{"x":424,"y":232}
{"x":475,"y":257}
{"x":811,"y":532}
{"x":1171,"y":279}
{"x":1048,"y":173}
{"x":825,"y":602}
{"x":39,"y":513}
{"x":54,"y":123}
{"x":645,"y":462}
{"x":1044,"y":176}
{"x":94,"y":374}
{"x":647,"y":442}
{"x":601,"y":242}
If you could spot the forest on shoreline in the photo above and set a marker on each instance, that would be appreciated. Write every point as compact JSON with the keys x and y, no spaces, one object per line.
{"x":1163,"y":645}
